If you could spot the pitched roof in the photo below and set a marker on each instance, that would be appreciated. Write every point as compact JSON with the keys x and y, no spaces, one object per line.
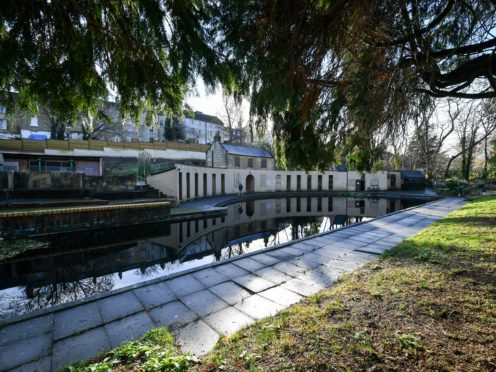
{"x":200,"y":116}
{"x":246,"y":151}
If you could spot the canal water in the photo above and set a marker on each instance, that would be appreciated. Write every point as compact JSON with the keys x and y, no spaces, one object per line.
{"x":73,"y":266}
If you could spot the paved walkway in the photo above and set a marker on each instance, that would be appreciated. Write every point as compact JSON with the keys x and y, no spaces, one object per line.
{"x":206,"y":302}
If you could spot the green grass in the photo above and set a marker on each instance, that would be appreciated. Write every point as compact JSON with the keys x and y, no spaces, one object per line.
{"x":155,"y":351}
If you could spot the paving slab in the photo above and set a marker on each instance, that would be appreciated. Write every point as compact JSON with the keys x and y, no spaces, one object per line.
{"x":197,"y":338}
{"x":79,"y":348}
{"x":128,"y":329}
{"x":249,"y":264}
{"x":204,"y":302}
{"x":258,"y":307}
{"x":275,"y":276}
{"x":184,"y":285}
{"x":281,"y":296}
{"x":154,"y":295}
{"x":302,"y":287}
{"x":172,"y":314}
{"x":253,"y":283}
{"x":289,"y":268}
{"x":26,"y":329}
{"x":317,"y":278}
{"x":43,"y":364}
{"x":210,"y":277}
{"x":25,"y":351}
{"x":120,"y":306}
{"x":344,"y":265}
{"x":304,"y":263}
{"x":266,"y":259}
{"x":228,"y":320}
{"x":319,"y":259}
{"x":76,"y":319}
{"x":230,"y":292}
{"x":230,"y":270}
{"x":330,"y":251}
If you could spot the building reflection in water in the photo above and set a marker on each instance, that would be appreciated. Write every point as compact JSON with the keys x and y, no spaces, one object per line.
{"x":119,"y":257}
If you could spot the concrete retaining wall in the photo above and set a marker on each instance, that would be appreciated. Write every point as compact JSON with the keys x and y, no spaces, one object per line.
{"x":30,"y":223}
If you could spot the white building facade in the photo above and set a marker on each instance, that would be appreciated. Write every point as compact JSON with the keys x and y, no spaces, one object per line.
{"x":201,"y":128}
{"x":187,"y":182}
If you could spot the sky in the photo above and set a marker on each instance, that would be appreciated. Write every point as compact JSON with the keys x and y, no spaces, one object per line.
{"x":211,"y":103}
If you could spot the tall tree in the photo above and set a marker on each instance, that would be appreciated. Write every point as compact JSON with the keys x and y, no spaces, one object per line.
{"x":336,"y":77}
{"x":68,"y":55}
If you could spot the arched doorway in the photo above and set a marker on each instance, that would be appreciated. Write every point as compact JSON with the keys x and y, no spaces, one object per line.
{"x":250,"y":183}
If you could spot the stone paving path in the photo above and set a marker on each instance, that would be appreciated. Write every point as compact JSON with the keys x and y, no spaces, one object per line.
{"x":207,"y":302}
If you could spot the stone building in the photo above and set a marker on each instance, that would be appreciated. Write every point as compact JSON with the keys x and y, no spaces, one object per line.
{"x":201,"y":128}
{"x":223,"y":155}
{"x":19,"y":123}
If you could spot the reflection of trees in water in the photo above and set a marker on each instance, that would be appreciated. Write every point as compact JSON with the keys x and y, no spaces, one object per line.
{"x":145,"y":272}
{"x":231,"y":251}
{"x":311,"y":229}
{"x":53,"y":294}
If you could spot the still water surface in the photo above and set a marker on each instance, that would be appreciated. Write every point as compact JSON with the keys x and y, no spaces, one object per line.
{"x":74,"y":266}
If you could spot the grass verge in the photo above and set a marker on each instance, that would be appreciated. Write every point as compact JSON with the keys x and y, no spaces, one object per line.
{"x":155,"y":351}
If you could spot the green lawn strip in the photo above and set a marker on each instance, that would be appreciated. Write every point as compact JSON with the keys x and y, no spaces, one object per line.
{"x":428,"y":304}
{"x":155,"y":351}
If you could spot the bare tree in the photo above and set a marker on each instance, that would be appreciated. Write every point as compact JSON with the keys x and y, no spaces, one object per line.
{"x":473,"y":117}
{"x":425,"y":149}
{"x":232,"y":115}
{"x":489,"y":107}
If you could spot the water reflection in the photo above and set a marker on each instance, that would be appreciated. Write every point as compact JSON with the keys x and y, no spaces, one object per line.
{"x":76,"y":266}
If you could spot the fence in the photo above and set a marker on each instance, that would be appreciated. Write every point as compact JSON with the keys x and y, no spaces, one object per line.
{"x":40,"y":146}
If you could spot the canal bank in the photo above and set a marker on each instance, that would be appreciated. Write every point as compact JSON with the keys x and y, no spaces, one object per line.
{"x":196,"y":303}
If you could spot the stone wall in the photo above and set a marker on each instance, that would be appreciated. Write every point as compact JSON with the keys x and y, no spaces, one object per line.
{"x":243,"y":160}
{"x":111,"y":183}
{"x":40,"y":180}
{"x":216,"y":156}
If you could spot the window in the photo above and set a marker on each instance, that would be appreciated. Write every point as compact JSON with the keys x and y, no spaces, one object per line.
{"x":264,"y":163}
{"x":3,"y":109}
{"x":309,"y":182}
{"x":117,"y":139}
{"x":34,"y":121}
{"x":237,"y":161}
{"x":3,"y":124}
{"x":331,"y":182}
{"x":250,"y":163}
